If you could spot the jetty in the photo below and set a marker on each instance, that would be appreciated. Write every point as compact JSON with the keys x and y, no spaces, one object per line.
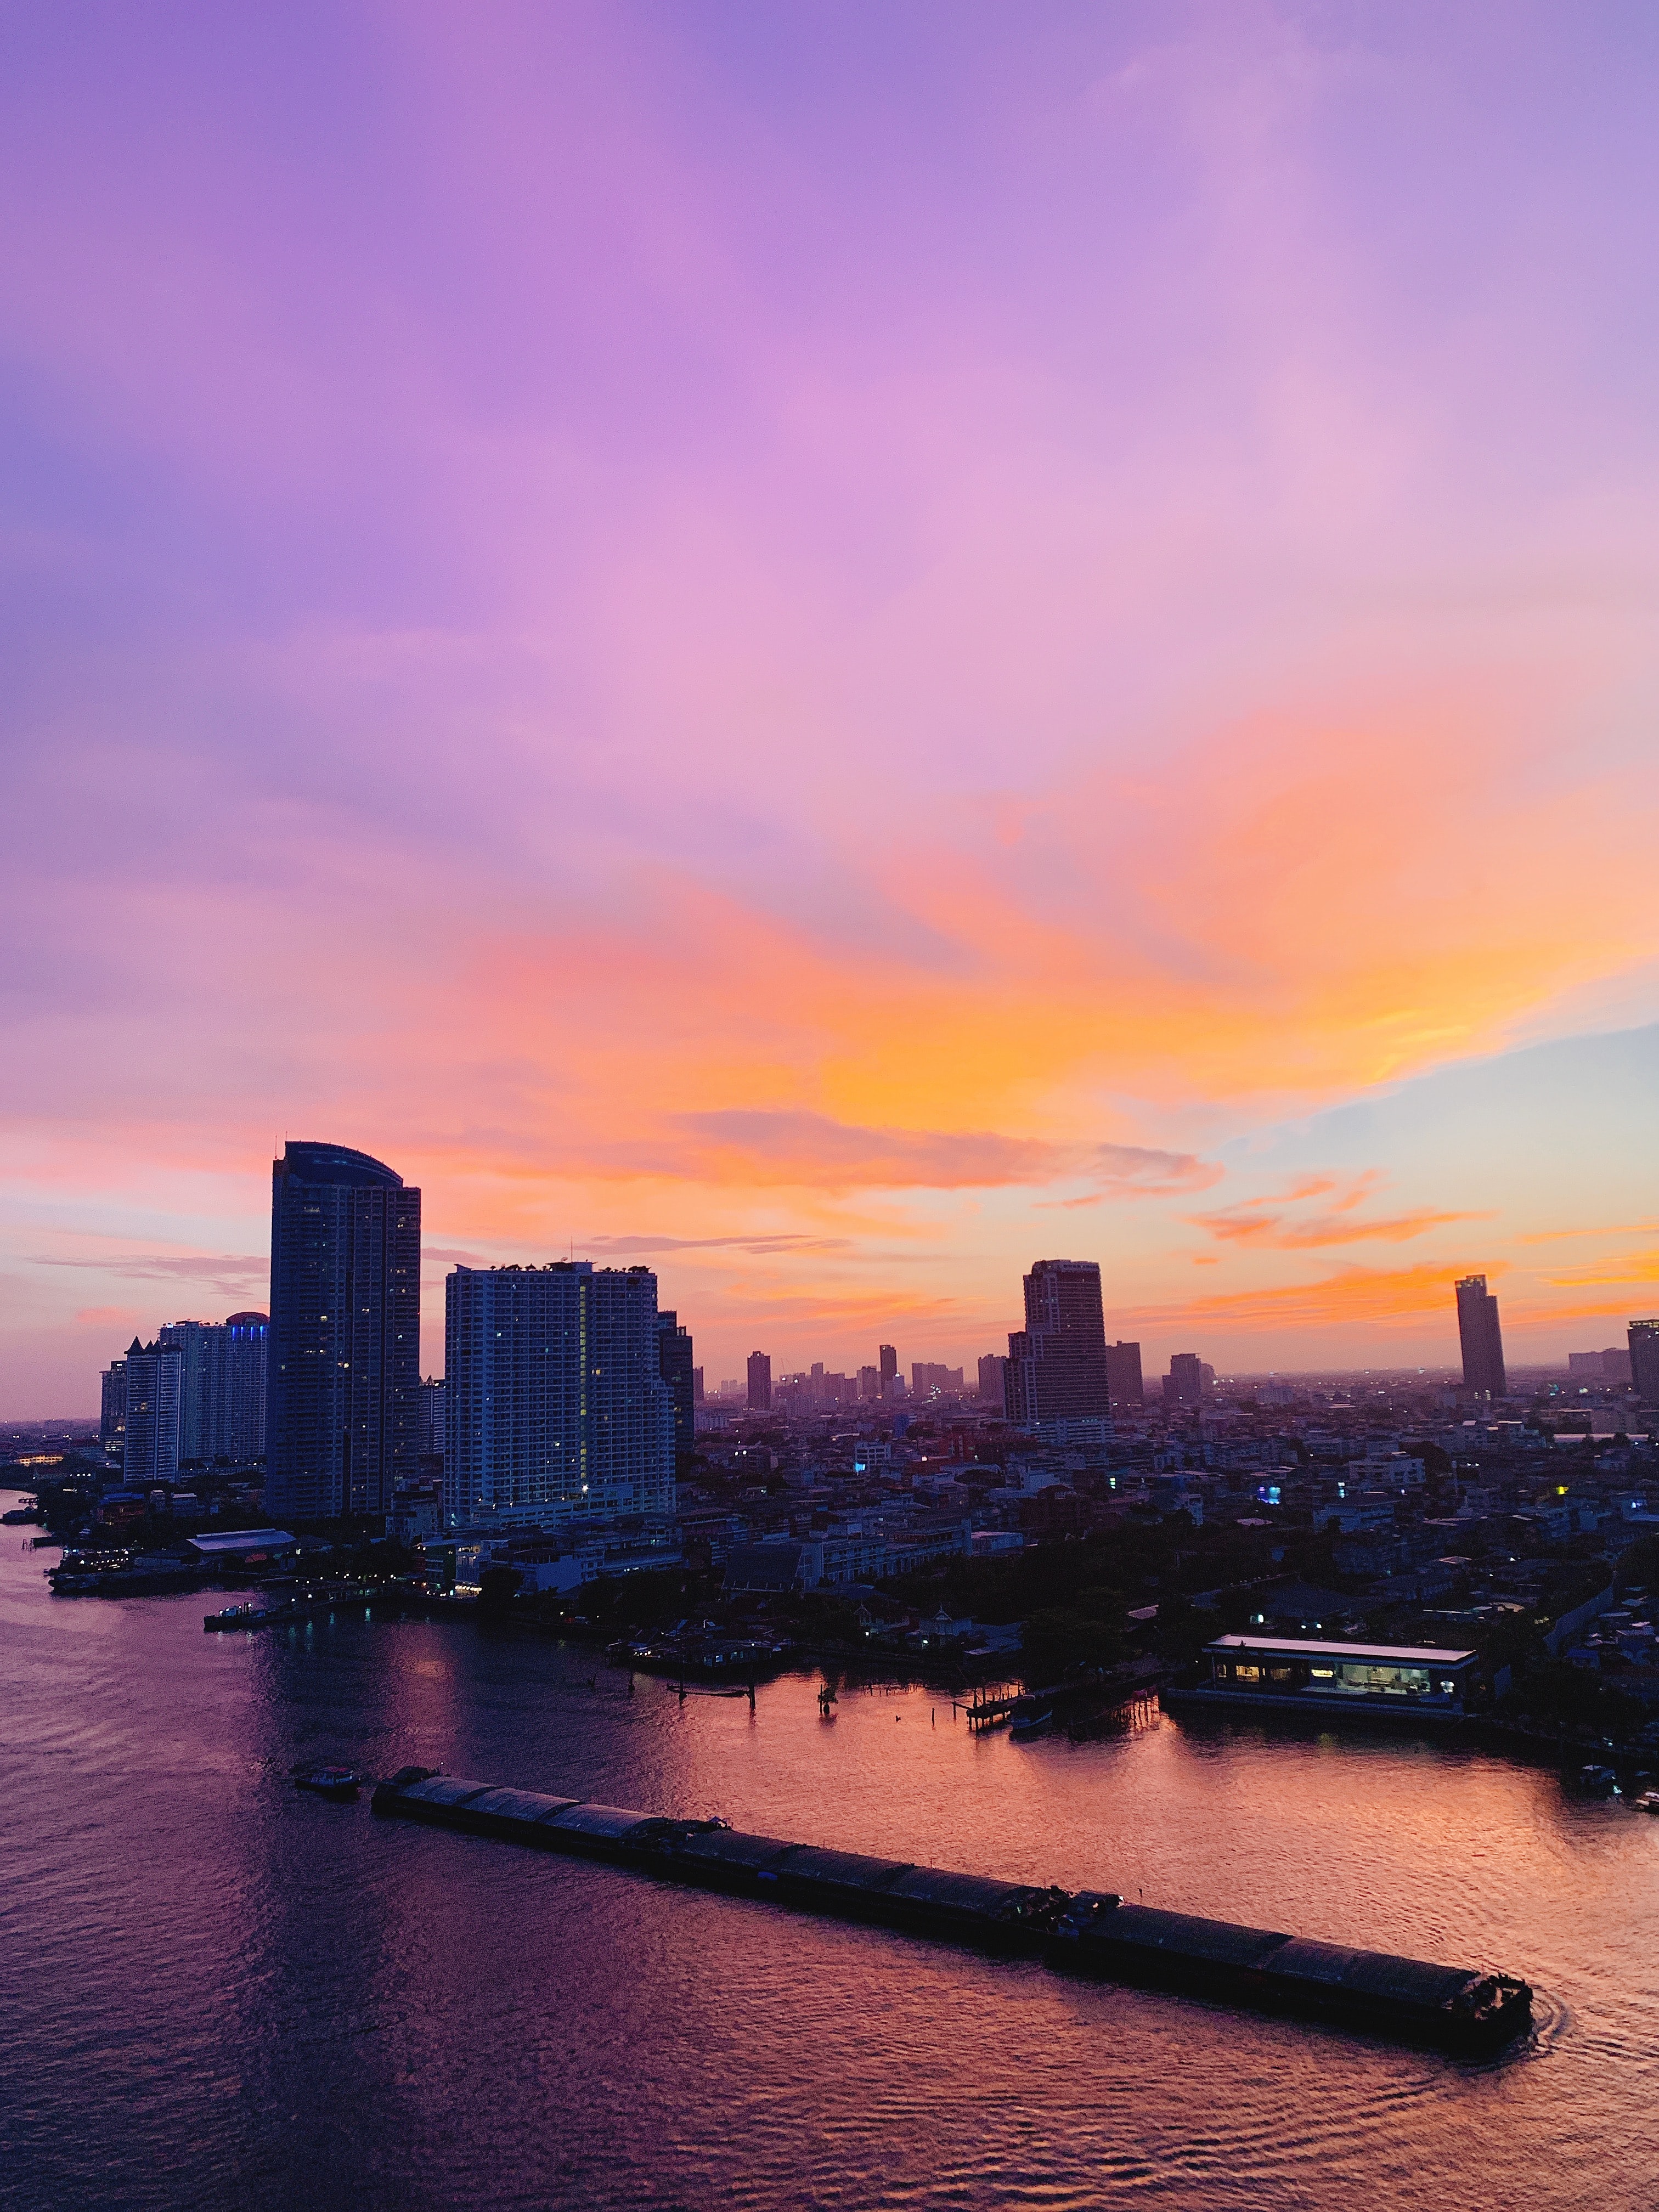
{"x":1467,"y":2010}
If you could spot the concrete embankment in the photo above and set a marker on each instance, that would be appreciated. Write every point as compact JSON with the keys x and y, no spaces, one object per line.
{"x":1089,"y":1932}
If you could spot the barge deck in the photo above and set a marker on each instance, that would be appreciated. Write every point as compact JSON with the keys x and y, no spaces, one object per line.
{"x":1092,"y":1932}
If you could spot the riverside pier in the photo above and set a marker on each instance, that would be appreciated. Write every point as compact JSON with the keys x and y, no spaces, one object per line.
{"x":1089,"y":1932}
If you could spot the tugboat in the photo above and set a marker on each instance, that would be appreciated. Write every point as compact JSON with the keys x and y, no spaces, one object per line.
{"x":338,"y":1783}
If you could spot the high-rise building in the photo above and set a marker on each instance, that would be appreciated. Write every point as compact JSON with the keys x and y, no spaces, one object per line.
{"x":1057,"y":1363}
{"x":342,"y":1406}
{"x":1482,"y":1339}
{"x":697,"y":1386}
{"x":887,"y":1360}
{"x":930,"y":1375}
{"x":1123,"y":1378}
{"x":869,"y":1382}
{"x":990,"y":1376}
{"x":1184,"y":1385}
{"x":223,"y":1368}
{"x":112,"y":1405}
{"x":556,"y":1410}
{"x":149,"y":1449}
{"x":187,"y":1336}
{"x":760,"y":1383}
{"x":432,"y":1417}
{"x":237,"y":1373}
{"x":674,"y":1366}
{"x":1645,"y":1360}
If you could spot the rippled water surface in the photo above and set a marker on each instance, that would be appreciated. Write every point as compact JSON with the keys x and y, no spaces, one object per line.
{"x":218,"y":1992}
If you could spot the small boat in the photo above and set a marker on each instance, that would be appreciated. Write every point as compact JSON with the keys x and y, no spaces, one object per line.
{"x":235,"y":1616}
{"x":337,"y":1782}
{"x":1647,"y":1802}
{"x":1035,"y":1720}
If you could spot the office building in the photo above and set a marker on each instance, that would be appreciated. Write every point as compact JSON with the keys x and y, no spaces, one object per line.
{"x":887,"y":1361}
{"x":869,"y":1382}
{"x":556,"y":1410}
{"x":223,"y":1368}
{"x":760,"y":1383}
{"x":697,"y":1386}
{"x":1057,"y":1363}
{"x":674,"y":1366}
{"x":112,"y":1405}
{"x":1123,"y":1378}
{"x":990,"y":1378}
{"x":1482,"y":1340}
{"x":1645,"y":1360}
{"x":149,"y":1448}
{"x":343,"y":1403}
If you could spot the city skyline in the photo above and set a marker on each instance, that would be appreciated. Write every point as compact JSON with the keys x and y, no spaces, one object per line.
{"x":1008,"y":634}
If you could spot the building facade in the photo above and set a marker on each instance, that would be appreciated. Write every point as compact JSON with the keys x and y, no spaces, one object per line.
{"x":223,"y":1368}
{"x":760,"y":1382}
{"x":150,"y":1449}
{"x":1123,"y":1376}
{"x":1645,"y":1360}
{"x":682,"y":1380}
{"x":1184,"y":1384}
{"x":991,"y":1370}
{"x":112,"y":1406}
{"x":343,"y":1404}
{"x":433,"y":1426}
{"x":556,"y":1413}
{"x":1482,"y":1339}
{"x":1057,"y":1363}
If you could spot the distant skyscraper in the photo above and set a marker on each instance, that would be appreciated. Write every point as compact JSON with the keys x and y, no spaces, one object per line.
{"x":1184,"y":1384}
{"x":990,"y":1376}
{"x":556,"y":1410}
{"x":697,"y":1386}
{"x":870,"y":1382}
{"x":674,"y":1350}
{"x":222,"y":1372}
{"x":432,"y":1417}
{"x":1123,"y":1378}
{"x":887,"y":1360}
{"x":149,"y":1451}
{"x":112,"y":1405}
{"x":1057,"y":1363}
{"x":760,"y":1383}
{"x":343,"y":1410}
{"x":1482,"y":1340}
{"x":1645,"y":1360}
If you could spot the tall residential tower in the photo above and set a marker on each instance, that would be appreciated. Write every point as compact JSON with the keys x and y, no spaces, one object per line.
{"x":554,"y":1404}
{"x":342,"y":1400}
{"x":1057,"y":1363}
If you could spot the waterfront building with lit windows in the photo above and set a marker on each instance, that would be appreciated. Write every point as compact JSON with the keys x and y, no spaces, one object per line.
{"x":1292,"y":1674}
{"x":556,"y":1411}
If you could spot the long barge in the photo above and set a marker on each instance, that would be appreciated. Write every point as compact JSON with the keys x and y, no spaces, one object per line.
{"x":1089,"y":1932}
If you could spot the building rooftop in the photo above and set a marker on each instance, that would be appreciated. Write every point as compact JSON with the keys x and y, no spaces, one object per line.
{"x":1418,"y":1654}
{"x":240,"y":1540}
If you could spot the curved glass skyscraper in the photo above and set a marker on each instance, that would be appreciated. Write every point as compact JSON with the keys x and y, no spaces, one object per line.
{"x":342,"y":1400}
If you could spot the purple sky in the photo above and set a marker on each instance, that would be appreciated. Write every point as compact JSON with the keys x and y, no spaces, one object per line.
{"x":852,"y":645}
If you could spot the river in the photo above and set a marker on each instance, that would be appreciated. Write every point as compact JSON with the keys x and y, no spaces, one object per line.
{"x":221,"y":1993}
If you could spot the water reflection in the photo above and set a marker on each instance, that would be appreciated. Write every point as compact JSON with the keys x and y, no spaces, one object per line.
{"x":224,"y":1986}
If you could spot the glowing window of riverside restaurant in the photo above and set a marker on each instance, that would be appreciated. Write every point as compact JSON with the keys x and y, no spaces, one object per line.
{"x":1360,"y":1670}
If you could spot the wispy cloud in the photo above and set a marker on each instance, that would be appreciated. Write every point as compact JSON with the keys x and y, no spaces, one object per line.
{"x":1287,"y":1222}
{"x":804,"y":1148}
{"x":231,"y":1275}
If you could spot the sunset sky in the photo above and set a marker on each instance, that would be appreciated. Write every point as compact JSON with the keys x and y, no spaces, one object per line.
{"x":836,"y":648}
